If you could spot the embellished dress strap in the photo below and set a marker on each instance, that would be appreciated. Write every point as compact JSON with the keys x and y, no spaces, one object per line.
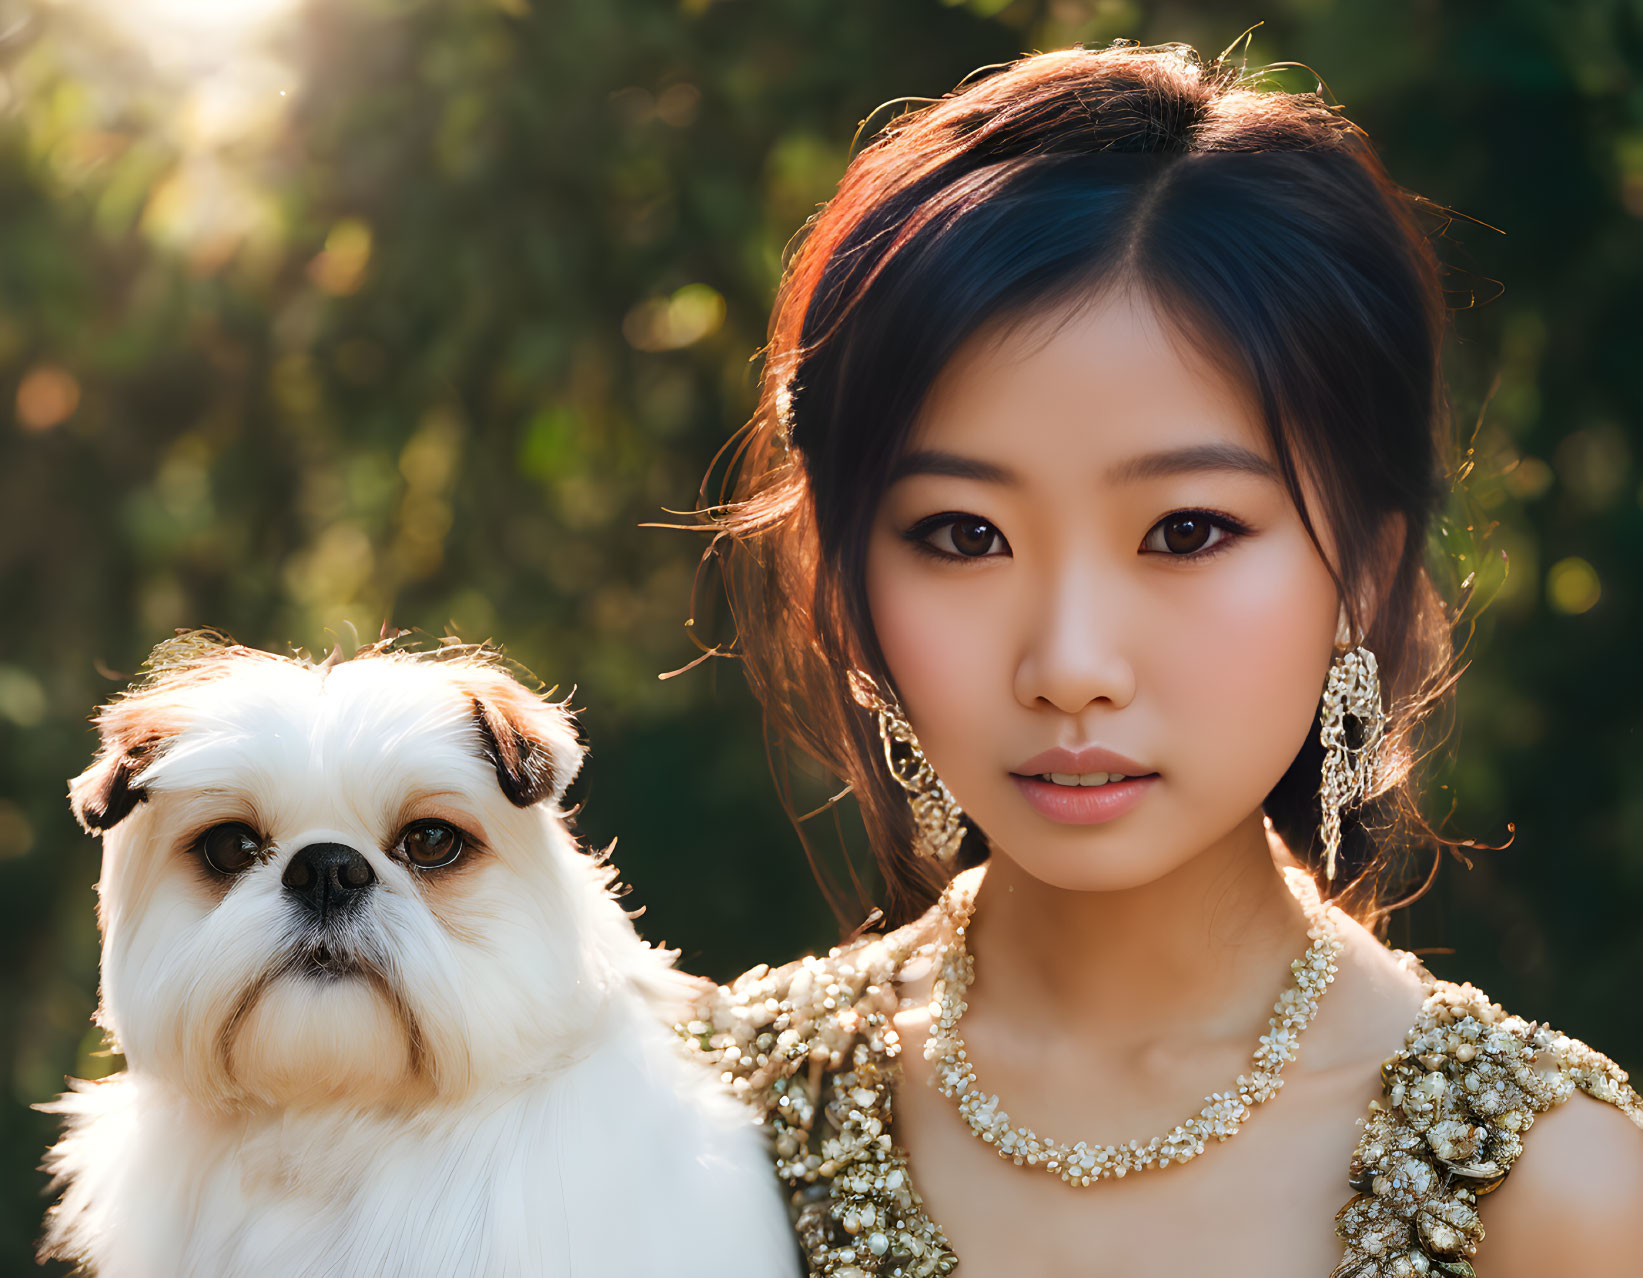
{"x":1458,"y":1100}
{"x":813,"y":1048}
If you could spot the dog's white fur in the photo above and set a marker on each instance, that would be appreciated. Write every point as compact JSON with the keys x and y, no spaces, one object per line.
{"x":498,"y":1092}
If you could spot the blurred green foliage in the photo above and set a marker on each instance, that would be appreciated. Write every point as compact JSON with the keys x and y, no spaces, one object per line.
{"x":414,"y":311}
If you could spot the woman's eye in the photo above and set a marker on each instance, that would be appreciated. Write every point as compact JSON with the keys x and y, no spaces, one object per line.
{"x":957,"y":537}
{"x":230,"y":847}
{"x":427,"y":845}
{"x":1187,"y":533}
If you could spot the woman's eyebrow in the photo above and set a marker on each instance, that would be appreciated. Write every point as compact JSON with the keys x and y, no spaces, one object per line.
{"x":1196,"y":457}
{"x":1171,"y":461}
{"x":932,"y":461}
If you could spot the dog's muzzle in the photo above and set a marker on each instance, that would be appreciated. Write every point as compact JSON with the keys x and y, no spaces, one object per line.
{"x":328,"y":879}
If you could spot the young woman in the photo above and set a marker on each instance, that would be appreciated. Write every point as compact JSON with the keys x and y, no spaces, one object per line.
{"x":1081,"y":529}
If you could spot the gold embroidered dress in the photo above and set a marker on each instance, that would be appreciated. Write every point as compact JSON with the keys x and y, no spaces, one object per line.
{"x":812,"y":1046}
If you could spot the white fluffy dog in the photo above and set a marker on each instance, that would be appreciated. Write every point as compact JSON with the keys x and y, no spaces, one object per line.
{"x":380,"y":1014}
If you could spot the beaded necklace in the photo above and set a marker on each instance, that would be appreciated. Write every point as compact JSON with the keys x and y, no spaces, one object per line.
{"x":1223,"y":1113}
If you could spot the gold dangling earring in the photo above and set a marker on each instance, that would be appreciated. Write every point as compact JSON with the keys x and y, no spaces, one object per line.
{"x":1349,"y":773}
{"x":936,"y":814}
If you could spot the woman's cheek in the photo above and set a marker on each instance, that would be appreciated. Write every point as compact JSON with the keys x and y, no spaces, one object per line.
{"x":1241,"y":676}
{"x":947,"y":661}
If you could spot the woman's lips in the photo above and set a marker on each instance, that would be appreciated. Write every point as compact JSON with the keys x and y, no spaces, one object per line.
{"x":1083,"y":804}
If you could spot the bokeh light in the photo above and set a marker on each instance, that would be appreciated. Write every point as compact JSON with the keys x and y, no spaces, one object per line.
{"x":46,"y":397}
{"x":1572,"y":586}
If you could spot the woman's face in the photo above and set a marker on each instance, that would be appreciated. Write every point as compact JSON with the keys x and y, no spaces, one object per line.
{"x":1087,"y":547}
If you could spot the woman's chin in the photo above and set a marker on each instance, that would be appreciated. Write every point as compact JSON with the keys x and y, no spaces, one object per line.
{"x":1089,"y":865}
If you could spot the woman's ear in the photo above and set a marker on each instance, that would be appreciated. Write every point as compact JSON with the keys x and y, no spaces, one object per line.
{"x":534,"y":745}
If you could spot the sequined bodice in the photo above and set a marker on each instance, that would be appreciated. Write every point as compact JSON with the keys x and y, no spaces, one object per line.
{"x":813,"y":1047}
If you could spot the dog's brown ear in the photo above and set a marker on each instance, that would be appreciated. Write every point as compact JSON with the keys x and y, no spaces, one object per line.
{"x":134,"y":725}
{"x":103,"y":795}
{"x":534,"y":745}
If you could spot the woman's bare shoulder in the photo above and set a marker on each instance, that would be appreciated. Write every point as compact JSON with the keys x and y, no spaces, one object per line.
{"x":1571,"y":1203}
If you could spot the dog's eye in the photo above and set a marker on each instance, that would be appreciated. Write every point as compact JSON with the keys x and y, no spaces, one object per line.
{"x":430,"y":844}
{"x":230,"y":847}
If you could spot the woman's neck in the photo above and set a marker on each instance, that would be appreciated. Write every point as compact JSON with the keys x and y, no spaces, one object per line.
{"x":1200,"y":953}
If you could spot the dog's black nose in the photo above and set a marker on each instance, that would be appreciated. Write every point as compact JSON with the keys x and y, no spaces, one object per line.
{"x":327,"y":877}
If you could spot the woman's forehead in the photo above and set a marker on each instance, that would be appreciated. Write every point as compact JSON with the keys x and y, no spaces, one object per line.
{"x":1099,"y":386}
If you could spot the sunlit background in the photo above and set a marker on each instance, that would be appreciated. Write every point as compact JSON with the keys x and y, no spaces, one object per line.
{"x":318,"y":315}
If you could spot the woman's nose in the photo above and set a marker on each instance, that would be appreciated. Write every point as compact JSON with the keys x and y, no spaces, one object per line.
{"x":1073,"y":652}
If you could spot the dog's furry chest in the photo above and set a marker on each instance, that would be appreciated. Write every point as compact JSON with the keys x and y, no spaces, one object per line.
{"x":598,"y":1172}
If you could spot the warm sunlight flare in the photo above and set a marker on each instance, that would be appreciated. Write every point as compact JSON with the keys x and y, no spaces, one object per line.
{"x":193,"y":30}
{"x":216,"y":94}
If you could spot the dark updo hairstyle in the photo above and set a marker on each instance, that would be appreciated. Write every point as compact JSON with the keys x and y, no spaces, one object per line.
{"x":1260,"y":222}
